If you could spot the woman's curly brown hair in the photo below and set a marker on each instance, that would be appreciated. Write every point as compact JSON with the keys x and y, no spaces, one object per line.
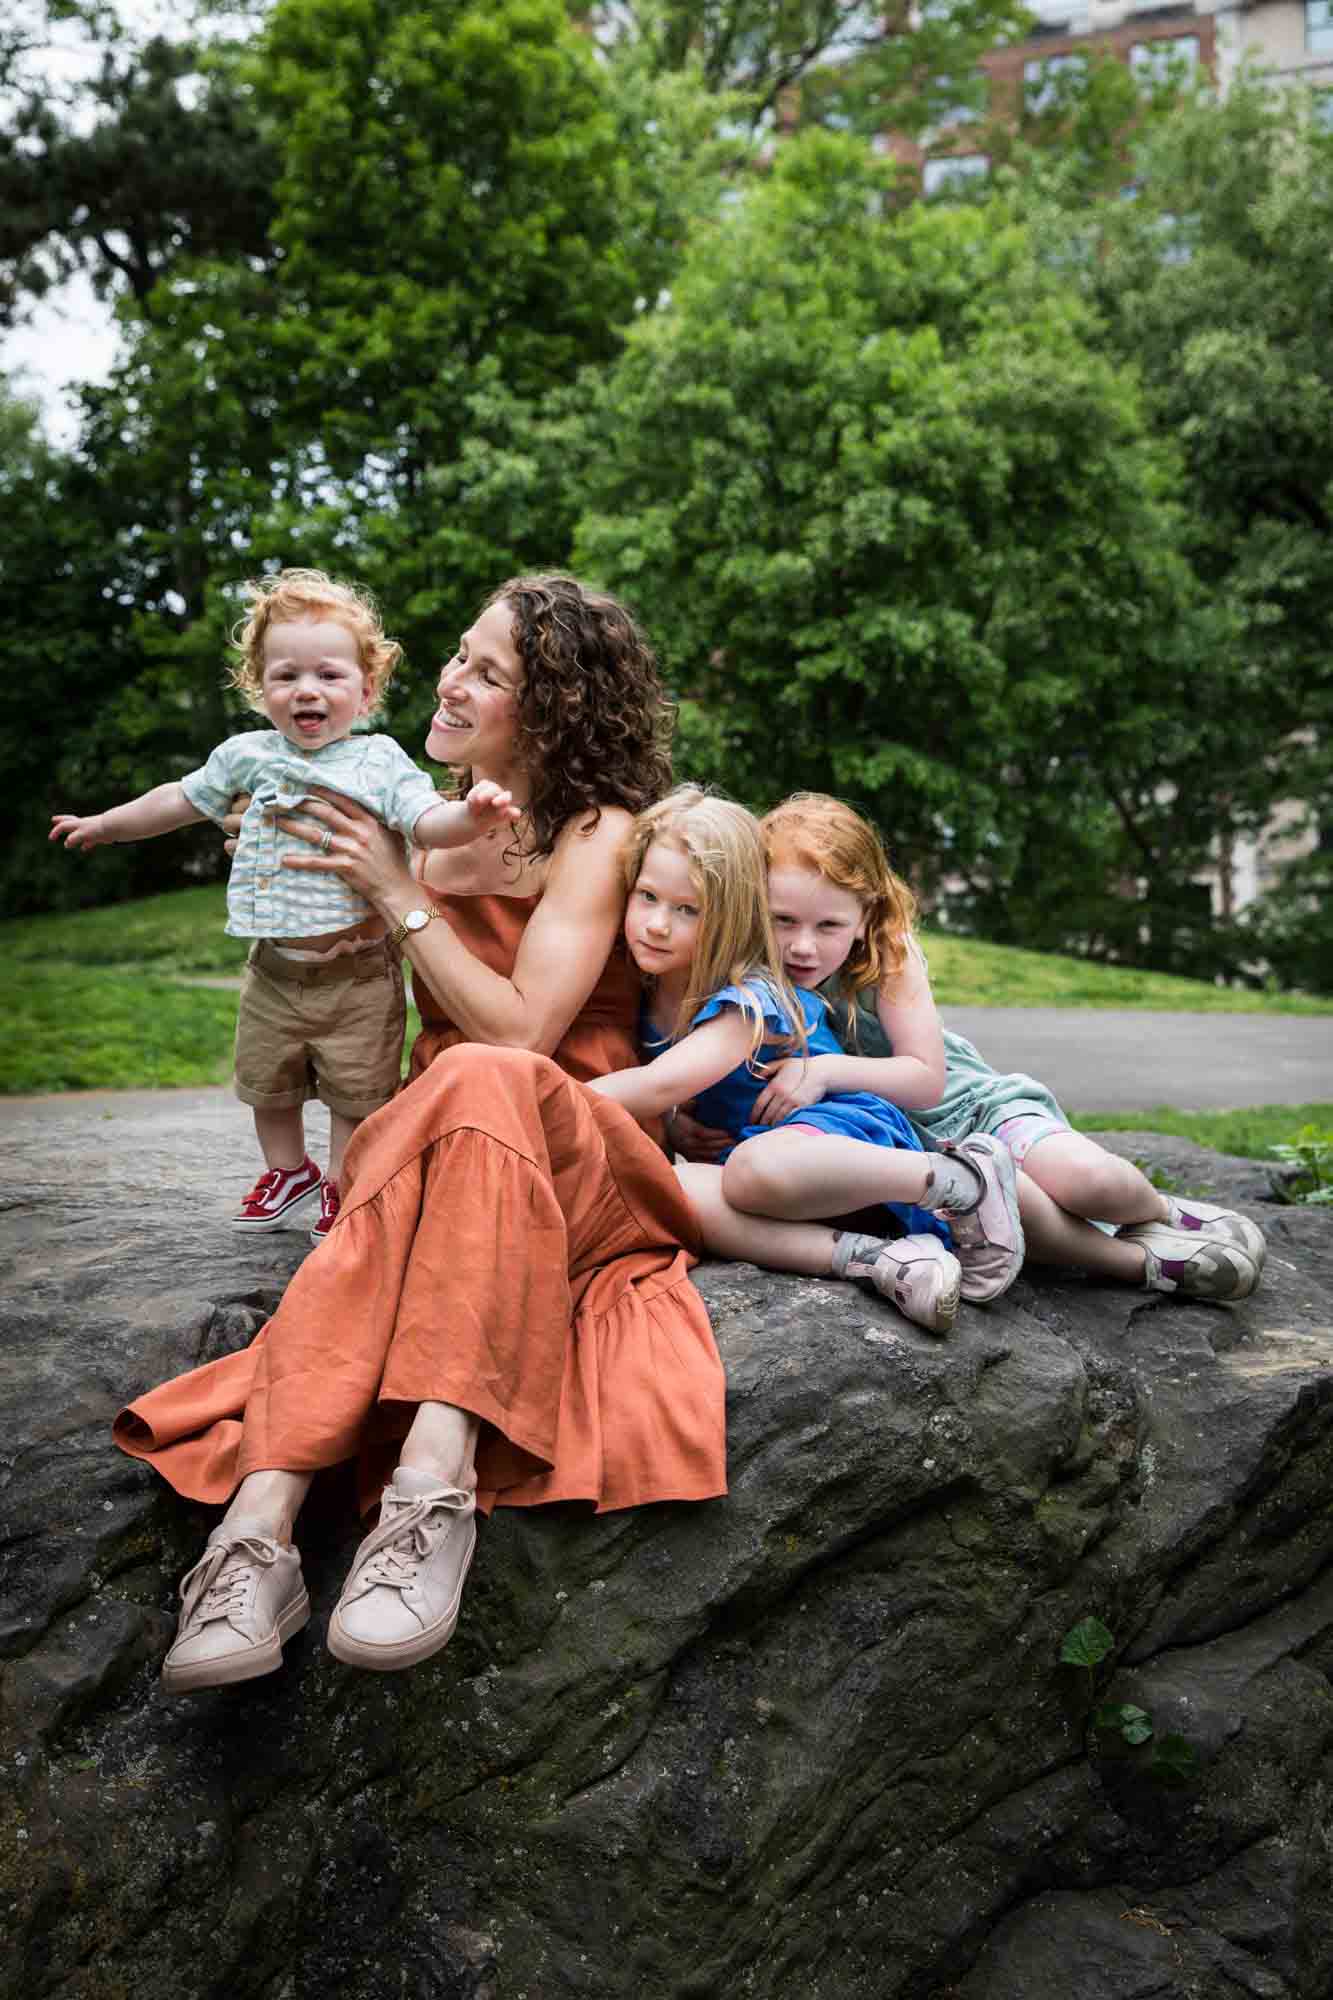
{"x":594,"y":724}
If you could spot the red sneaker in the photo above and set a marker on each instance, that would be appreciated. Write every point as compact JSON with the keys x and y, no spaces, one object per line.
{"x":278,"y":1194}
{"x":329,"y":1204}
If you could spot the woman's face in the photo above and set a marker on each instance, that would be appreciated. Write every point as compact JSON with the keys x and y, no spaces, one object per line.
{"x":476,"y":722}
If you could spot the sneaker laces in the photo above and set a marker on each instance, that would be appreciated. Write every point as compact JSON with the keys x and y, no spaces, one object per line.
{"x":219,"y":1584}
{"x":394,"y":1551}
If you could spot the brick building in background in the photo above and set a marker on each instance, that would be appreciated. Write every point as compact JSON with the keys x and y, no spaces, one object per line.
{"x":1293,"y":38}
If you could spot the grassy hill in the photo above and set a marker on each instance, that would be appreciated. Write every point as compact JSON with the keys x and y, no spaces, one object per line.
{"x":100,"y":999}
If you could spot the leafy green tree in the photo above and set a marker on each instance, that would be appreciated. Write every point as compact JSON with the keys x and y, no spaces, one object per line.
{"x":1216,"y":285}
{"x":81,"y":720}
{"x":903,"y":537}
{"x":843,"y":62}
{"x":451,"y":189}
{"x":155,"y":158}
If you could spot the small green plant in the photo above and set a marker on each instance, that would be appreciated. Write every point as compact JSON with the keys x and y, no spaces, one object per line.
{"x":1159,"y":1177}
{"x":1173,"y":1760}
{"x":1306,"y":1175}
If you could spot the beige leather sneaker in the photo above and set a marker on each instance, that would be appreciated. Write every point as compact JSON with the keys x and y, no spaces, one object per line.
{"x":239,"y":1604}
{"x":400,"y":1601}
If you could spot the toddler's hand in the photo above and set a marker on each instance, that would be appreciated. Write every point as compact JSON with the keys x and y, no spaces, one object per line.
{"x":72,"y":831}
{"x":491,"y":808}
{"x":792,"y":1084}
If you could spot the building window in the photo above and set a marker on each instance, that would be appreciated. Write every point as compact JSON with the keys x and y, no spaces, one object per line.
{"x":954,"y":114}
{"x":951,"y":174}
{"x":1319,"y":25}
{"x":1168,"y":57}
{"x":1044,"y":77}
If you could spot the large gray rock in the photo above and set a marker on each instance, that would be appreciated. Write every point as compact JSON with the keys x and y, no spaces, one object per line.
{"x":813,"y":1739}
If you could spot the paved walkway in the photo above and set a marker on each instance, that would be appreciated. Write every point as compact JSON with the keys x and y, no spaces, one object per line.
{"x":1093,"y":1061}
{"x":1097,"y":1060}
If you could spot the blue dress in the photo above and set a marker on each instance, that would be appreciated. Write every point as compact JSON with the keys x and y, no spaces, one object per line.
{"x":849,"y":1114}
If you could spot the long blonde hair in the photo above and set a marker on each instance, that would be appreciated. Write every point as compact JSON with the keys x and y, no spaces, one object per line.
{"x":735,"y":941}
{"x":812,"y":830}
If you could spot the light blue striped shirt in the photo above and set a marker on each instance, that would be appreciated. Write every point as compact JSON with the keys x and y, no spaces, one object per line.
{"x":264,"y":899}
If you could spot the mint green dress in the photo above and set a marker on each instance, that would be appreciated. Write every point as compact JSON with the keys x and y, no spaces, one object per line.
{"x":976,"y":1097}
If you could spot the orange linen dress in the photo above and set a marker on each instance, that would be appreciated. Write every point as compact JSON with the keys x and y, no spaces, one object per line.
{"x":510,"y":1243}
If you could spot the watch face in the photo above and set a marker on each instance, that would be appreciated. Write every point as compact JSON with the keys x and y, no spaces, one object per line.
{"x":417,"y":920}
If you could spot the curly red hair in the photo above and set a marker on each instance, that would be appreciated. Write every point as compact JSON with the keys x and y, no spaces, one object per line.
{"x":295,"y":594}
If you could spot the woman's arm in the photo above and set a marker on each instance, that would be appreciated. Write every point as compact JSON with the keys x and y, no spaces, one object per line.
{"x":912,"y":1077}
{"x":704,"y":1057}
{"x":562,"y":952}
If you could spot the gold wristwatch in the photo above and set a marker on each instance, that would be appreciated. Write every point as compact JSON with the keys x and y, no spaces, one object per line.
{"x":414,"y":921}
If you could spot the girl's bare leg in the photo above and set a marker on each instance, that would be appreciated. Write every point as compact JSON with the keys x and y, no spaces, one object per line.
{"x":916,"y":1272}
{"x":804,"y":1247}
{"x":1083,"y":1178}
{"x":796,"y":1175}
{"x":1056,"y":1237}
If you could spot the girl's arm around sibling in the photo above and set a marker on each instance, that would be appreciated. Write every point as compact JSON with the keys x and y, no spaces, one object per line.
{"x":912,"y":1077}
{"x":690,"y":1065}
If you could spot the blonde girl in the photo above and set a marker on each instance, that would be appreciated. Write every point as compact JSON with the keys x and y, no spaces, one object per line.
{"x":844,"y":922}
{"x":721,"y":1012}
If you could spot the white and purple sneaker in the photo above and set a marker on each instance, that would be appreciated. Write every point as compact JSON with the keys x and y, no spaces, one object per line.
{"x":1199,"y":1218}
{"x":1199,"y":1266}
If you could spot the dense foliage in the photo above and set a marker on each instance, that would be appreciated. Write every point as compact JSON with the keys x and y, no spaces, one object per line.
{"x":1008,"y":517}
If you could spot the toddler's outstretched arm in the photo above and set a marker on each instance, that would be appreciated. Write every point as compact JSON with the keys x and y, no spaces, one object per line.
{"x":160,"y":811}
{"x":702,"y":1058}
{"x":455,"y":822}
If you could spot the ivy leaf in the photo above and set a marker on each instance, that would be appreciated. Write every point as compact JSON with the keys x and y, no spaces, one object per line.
{"x":1175,"y":1760}
{"x":1085,"y":1644}
{"x":1123,"y":1718}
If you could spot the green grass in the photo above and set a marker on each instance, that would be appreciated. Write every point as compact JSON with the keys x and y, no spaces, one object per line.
{"x":181,"y":932}
{"x":969,"y":972}
{"x":1250,"y":1133}
{"x":91,"y":1000}
{"x":74,"y":1030}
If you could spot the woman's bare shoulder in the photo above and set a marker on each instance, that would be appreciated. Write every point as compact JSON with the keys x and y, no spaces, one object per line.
{"x":607,"y":825}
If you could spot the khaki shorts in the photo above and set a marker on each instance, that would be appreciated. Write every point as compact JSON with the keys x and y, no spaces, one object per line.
{"x":332,"y":1031}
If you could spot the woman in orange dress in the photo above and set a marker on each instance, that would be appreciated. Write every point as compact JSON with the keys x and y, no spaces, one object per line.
{"x":503,"y":1306}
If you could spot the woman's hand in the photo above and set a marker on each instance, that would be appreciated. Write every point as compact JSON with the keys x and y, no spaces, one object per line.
{"x":693,"y":1141}
{"x":347,"y":841}
{"x":231,"y":824}
{"x":793,"y":1083}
